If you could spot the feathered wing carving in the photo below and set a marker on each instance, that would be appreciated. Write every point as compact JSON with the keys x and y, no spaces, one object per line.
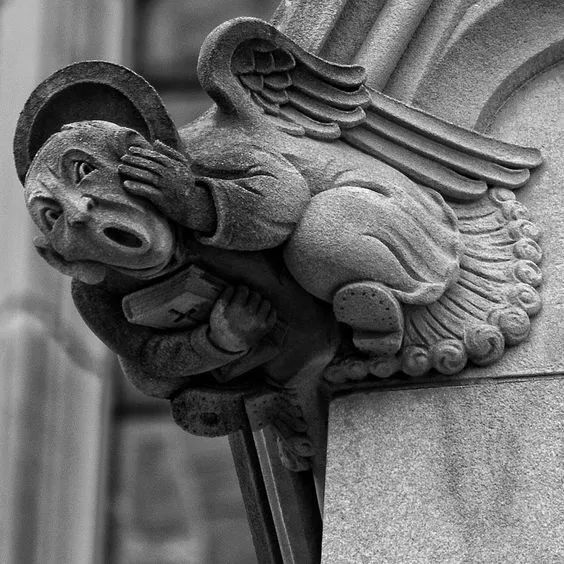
{"x":489,"y":306}
{"x":250,"y":68}
{"x":456,"y":162}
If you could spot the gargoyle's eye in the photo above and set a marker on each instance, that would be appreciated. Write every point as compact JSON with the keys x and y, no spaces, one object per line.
{"x":81,"y":170}
{"x":49,"y":216}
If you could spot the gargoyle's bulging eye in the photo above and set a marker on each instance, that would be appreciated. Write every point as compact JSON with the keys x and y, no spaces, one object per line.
{"x":82,"y":169}
{"x":50,"y":216}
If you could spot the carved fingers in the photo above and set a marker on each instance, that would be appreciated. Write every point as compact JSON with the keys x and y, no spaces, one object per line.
{"x":154,"y":161}
{"x":240,"y":318}
{"x":171,"y":153}
{"x":144,"y":190}
{"x":162,"y":175}
{"x":141,"y":165}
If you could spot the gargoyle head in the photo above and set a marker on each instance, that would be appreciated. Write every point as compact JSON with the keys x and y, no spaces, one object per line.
{"x":89,"y":222}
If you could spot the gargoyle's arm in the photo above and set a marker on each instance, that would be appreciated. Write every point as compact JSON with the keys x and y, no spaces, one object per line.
{"x":235,"y":196}
{"x":258,"y":197}
{"x":159,"y":362}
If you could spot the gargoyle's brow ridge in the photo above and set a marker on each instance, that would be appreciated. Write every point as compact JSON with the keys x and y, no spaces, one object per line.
{"x":74,"y":152}
{"x":41,"y":191}
{"x":56,"y":173}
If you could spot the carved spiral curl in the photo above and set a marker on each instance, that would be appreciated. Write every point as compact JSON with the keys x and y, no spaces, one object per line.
{"x":384,"y":367}
{"x":448,"y":356}
{"x":525,"y":297}
{"x":514,"y":210}
{"x":484,"y":344}
{"x":416,"y":360}
{"x":346,"y":369}
{"x":528,"y":272}
{"x":527,"y":249}
{"x":513,"y":323}
{"x":501,"y":195}
{"x":356,"y":369}
{"x":523,"y":228}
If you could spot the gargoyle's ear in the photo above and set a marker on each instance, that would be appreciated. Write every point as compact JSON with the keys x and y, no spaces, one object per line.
{"x":91,"y":90}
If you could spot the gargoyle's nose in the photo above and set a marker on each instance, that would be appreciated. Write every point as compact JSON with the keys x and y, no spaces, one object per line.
{"x":78,"y":211}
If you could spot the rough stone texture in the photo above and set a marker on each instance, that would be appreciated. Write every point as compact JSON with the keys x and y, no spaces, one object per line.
{"x":396,"y":201}
{"x":388,"y":38}
{"x":494,"y":49}
{"x":535,"y":114}
{"x":473,"y":471}
{"x":470,"y":65}
{"x":466,"y":473}
{"x":344,"y":214}
{"x":294,"y":18}
{"x":456,"y":474}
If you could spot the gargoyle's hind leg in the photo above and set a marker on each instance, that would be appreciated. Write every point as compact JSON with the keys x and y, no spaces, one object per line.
{"x":374,"y":314}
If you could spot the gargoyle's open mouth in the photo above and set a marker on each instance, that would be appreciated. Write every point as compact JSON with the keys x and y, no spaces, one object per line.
{"x":123,"y":238}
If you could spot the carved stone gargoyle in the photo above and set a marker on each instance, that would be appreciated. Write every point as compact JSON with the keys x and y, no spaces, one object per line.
{"x":304,"y":228}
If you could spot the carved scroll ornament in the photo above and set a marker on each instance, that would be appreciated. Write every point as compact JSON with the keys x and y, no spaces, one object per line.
{"x":303,"y":217}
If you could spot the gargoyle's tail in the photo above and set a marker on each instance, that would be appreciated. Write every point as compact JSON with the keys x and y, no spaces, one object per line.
{"x":489,"y":306}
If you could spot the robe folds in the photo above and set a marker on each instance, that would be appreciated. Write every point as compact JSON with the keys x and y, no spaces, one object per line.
{"x":342,"y":229}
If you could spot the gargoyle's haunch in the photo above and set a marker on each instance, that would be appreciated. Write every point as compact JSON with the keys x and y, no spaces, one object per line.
{"x":315,"y":200}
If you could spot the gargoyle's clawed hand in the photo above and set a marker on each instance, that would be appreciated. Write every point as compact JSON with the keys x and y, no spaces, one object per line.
{"x":161,"y":175}
{"x":240,"y":318}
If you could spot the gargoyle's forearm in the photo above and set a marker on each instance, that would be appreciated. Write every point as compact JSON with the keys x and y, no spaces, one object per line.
{"x":185,"y":353}
{"x":197,"y":209}
{"x":160,"y":354}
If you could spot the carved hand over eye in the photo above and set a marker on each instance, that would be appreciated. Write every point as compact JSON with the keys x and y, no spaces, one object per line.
{"x":240,"y":318}
{"x":162,"y":176}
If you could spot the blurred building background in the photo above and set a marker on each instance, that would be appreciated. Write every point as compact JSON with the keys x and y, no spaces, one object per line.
{"x":91,"y":470}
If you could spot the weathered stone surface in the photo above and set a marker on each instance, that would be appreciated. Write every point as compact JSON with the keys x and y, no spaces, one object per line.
{"x":328,"y":146}
{"x":536,"y":112}
{"x":493,"y":50}
{"x":373,"y":207}
{"x":468,"y":473}
{"x":494,"y":492}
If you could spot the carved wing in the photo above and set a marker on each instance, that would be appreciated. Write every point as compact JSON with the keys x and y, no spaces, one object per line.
{"x":457,"y":162}
{"x":251,"y":69}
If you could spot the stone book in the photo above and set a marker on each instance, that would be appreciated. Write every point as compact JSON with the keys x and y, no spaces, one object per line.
{"x":181,"y":301}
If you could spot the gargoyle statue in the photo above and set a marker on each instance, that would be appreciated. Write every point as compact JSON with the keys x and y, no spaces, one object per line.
{"x":303,"y":217}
